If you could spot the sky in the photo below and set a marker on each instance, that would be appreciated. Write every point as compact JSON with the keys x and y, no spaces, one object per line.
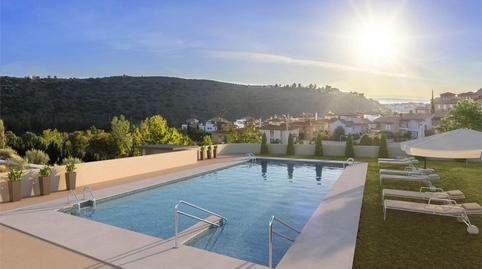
{"x":394,"y":49}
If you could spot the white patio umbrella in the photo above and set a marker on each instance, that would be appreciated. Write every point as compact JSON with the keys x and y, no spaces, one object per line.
{"x":456,"y":144}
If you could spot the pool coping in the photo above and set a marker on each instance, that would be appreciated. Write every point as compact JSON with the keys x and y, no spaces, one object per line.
{"x":146,"y":251}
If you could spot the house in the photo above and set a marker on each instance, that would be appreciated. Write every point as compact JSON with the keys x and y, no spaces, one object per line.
{"x":278,"y":134}
{"x":209,"y":126}
{"x":190,"y":124}
{"x":404,"y":123}
{"x":217,"y":124}
{"x":310,"y":128}
{"x":350,"y":127}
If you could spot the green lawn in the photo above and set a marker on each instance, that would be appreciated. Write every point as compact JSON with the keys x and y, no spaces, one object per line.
{"x":409,"y":240}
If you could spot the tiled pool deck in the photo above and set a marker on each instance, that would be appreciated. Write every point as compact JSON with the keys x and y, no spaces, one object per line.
{"x":327,"y":240}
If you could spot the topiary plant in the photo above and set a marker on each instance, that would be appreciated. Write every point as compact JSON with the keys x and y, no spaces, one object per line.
{"x":383,"y":149}
{"x":349,"y":152}
{"x":290,"y":149}
{"x":264,"y":144}
{"x":319,"y":145}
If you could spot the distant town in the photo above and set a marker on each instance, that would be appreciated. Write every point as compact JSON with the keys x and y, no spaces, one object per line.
{"x":404,"y":121}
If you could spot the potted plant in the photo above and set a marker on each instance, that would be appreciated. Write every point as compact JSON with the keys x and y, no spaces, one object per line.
{"x":215,"y":151}
{"x":201,"y":153}
{"x":70,"y":175}
{"x":209,"y":151}
{"x":15,"y":184}
{"x":44,"y":180}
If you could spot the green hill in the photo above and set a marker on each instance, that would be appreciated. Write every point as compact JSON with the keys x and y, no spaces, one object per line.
{"x":71,"y":104}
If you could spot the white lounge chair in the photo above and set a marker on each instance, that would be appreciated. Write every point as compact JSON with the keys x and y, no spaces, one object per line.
{"x":408,"y":171}
{"x":459,"y":211}
{"x":427,"y":179}
{"x":432,"y":192}
{"x":405,"y":161}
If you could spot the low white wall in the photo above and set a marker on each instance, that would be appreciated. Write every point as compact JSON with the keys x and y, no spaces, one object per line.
{"x":102,"y":171}
{"x":227,"y":149}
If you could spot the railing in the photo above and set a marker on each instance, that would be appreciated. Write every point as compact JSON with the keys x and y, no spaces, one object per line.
{"x":251,"y":156}
{"x":176,"y":218}
{"x":270,"y":237}
{"x":73,"y":194}
{"x":348,"y":161}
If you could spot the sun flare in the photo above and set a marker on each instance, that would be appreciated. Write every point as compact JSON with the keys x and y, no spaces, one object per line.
{"x":378,"y":43}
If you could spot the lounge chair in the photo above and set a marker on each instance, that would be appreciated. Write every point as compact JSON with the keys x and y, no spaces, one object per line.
{"x":459,"y":211}
{"x":424,"y":195}
{"x":405,"y":161}
{"x":408,"y":171}
{"x":427,"y":179}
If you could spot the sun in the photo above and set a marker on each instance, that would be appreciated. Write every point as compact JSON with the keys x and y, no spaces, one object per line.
{"x":378,"y":43}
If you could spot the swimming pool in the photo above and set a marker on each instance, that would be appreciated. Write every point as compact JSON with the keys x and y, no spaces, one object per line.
{"x":247,"y":194}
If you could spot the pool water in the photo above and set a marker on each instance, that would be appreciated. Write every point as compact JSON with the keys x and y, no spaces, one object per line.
{"x":247,"y":194}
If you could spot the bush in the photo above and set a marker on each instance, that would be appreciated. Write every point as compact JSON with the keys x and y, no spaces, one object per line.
{"x":45,"y":171}
{"x":37,"y":156}
{"x":383,"y":149}
{"x":8,"y":153}
{"x":264,"y":144}
{"x":15,"y":174}
{"x":68,"y":160}
{"x":290,"y":149}
{"x":366,"y":140}
{"x":349,"y":153}
{"x":319,"y":145}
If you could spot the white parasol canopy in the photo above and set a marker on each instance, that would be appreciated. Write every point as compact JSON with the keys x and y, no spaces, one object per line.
{"x":456,"y":144}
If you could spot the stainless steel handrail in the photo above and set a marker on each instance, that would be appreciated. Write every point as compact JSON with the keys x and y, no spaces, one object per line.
{"x":89,"y":190}
{"x":270,"y":237}
{"x":251,"y":156}
{"x":348,"y":161}
{"x":176,"y":218}
{"x":73,"y":194}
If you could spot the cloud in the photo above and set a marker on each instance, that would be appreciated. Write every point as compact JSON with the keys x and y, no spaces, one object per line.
{"x":281,"y":59}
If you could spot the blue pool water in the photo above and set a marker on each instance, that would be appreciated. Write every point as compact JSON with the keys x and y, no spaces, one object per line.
{"x":247,"y":194}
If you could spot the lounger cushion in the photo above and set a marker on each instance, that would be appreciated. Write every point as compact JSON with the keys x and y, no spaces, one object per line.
{"x":455,"y":193}
{"x":472,"y":208}
{"x":423,"y":207}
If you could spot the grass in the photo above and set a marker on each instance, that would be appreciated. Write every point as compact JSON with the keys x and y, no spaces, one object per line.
{"x":409,"y":240}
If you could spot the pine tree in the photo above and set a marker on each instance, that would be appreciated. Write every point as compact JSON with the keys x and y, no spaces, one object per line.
{"x":290,"y":150}
{"x":349,"y":152}
{"x":264,"y":144}
{"x":319,"y":145}
{"x":383,"y":149}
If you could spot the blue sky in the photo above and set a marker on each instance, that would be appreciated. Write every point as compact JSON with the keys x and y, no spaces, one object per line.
{"x":251,"y":42}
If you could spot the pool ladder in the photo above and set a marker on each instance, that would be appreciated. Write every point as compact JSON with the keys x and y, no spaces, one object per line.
{"x":73,"y":194}
{"x":251,"y":156}
{"x":349,"y":161}
{"x":178,"y":212}
{"x":270,"y":237}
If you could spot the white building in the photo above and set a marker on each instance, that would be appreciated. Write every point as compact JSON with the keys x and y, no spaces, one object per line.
{"x":278,"y":134}
{"x":350,"y":127}
{"x":208,"y":127}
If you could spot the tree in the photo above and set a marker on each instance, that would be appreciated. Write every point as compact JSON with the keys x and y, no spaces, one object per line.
{"x":31,"y":141}
{"x":366,"y":140}
{"x":49,"y":136}
{"x":121,"y":136}
{"x":154,"y":130}
{"x":349,"y":152}
{"x":250,"y":135}
{"x":101,"y":147}
{"x":465,"y":114}
{"x":338,"y":133}
{"x":77,"y":144}
{"x":54,"y":152}
{"x":383,"y":149}
{"x":233,"y":136}
{"x":2,"y":135}
{"x":319,"y":145}
{"x":376,"y":141}
{"x":13,"y":141}
{"x":290,"y":149}
{"x":264,"y":144}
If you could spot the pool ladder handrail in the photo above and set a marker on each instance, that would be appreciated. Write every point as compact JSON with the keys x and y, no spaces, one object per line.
{"x":176,"y":218}
{"x":251,"y":156}
{"x":86,"y":189}
{"x":349,"y":161}
{"x":271,"y":233}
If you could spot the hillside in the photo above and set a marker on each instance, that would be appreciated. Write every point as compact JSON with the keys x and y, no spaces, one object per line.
{"x":72,"y":104}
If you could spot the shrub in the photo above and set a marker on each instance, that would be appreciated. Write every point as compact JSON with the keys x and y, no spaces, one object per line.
{"x":376,"y":141}
{"x":264,"y":144}
{"x":70,"y":163}
{"x":383,"y":149}
{"x":45,"y":171}
{"x":366,"y":140}
{"x":207,"y":142}
{"x":290,"y":149}
{"x":15,"y":174}
{"x":319,"y":145}
{"x":8,"y":153}
{"x":37,"y":156}
{"x":349,"y":153}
